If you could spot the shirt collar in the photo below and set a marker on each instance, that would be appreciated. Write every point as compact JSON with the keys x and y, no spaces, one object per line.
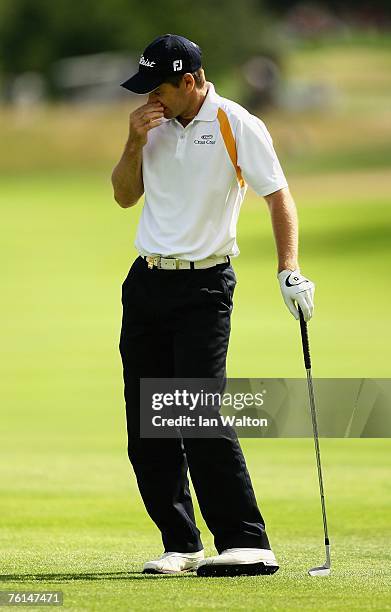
{"x":210,"y":105}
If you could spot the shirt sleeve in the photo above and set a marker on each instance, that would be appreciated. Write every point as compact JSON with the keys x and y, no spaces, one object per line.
{"x":256,"y":156}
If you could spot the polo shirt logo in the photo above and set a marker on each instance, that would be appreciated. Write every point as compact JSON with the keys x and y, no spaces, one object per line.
{"x":206,"y":139}
{"x":145,"y":62}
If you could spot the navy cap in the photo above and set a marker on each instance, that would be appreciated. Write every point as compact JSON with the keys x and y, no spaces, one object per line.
{"x":166,"y":56}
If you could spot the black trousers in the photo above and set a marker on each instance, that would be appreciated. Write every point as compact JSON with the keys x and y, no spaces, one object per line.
{"x":176,"y":323}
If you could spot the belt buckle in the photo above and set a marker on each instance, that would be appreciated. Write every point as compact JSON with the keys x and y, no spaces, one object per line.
{"x":153,"y":260}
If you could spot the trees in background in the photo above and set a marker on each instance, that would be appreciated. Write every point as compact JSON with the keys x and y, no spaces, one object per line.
{"x":36,"y":33}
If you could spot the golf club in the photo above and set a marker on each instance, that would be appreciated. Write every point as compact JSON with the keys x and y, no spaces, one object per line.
{"x":323,"y":570}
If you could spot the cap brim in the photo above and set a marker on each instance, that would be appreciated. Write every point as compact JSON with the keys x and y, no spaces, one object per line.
{"x":141,"y":83}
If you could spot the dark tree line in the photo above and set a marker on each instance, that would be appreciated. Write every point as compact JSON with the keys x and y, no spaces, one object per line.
{"x":35,"y":33}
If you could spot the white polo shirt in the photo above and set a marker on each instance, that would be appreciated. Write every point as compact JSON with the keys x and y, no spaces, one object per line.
{"x":195,"y":180}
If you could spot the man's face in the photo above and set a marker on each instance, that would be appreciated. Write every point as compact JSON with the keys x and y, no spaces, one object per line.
{"x":174,"y":99}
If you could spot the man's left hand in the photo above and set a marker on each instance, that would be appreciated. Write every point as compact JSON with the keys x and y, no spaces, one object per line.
{"x":296,"y":288}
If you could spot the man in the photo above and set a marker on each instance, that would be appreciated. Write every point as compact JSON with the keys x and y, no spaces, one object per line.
{"x":193,"y":153}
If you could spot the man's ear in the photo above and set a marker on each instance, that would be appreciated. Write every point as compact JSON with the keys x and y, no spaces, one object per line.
{"x":189,"y":82}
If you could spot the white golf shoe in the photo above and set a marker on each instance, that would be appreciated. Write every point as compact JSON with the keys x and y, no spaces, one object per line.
{"x":174,"y":563}
{"x":239,"y":562}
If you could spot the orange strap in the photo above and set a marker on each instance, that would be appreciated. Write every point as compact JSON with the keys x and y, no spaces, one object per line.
{"x":230,"y":143}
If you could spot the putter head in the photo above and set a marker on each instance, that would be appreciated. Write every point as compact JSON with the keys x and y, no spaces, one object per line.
{"x":324,"y":570}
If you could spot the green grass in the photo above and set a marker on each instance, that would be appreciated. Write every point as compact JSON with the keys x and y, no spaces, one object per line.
{"x":68,"y":247}
{"x":71,"y":514}
{"x":75,"y":523}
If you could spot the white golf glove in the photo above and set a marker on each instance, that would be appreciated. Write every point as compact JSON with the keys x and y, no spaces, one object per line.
{"x":296,"y":288}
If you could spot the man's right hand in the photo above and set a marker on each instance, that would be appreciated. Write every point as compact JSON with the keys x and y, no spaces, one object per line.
{"x":127,"y":178}
{"x":144,"y":119}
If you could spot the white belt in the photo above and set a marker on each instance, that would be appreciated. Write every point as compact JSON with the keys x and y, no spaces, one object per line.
{"x":173,"y":263}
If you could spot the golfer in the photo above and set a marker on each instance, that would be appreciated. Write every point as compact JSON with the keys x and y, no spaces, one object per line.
{"x":193,"y":153}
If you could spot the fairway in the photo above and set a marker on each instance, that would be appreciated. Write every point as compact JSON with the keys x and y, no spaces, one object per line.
{"x":78,"y":526}
{"x":72,"y":519}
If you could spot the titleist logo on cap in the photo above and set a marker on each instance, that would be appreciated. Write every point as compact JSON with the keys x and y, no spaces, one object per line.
{"x":145,"y":62}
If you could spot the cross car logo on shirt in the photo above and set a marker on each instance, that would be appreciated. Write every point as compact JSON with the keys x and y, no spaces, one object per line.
{"x":145,"y":62}
{"x":206,"y":139}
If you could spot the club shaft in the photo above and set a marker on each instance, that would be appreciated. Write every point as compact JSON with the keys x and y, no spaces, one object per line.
{"x":307,"y":363}
{"x":317,"y":453}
